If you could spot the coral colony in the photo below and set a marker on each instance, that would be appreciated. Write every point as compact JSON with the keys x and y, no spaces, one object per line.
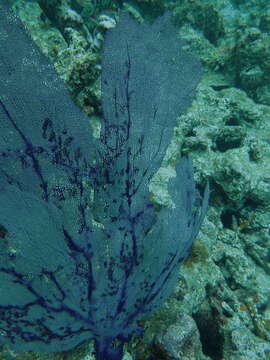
{"x":84,"y":253}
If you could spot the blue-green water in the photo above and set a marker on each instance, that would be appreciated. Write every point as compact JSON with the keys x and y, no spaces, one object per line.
{"x":220,"y":307}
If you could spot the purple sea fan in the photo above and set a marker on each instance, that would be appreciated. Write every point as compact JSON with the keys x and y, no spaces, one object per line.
{"x":72,"y":268}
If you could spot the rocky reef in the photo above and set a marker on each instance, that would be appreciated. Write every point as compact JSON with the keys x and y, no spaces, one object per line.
{"x":220,"y":309}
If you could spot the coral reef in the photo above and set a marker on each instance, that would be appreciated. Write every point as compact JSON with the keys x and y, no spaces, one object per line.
{"x":226,"y":132}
